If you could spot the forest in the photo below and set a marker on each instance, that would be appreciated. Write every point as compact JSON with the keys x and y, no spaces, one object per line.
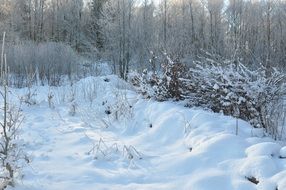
{"x":129,"y":33}
{"x":194,"y":89}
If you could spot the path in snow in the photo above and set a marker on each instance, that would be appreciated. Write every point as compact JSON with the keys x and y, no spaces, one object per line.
{"x":62,"y":155}
{"x":157,"y":146}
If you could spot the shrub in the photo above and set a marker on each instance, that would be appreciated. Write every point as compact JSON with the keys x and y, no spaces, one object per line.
{"x":222,"y":86}
{"x":10,"y":122}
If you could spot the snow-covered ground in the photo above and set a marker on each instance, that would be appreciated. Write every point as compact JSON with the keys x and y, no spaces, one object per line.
{"x":117,"y":140}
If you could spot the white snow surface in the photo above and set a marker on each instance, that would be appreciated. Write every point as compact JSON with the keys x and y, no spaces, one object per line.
{"x":283,"y":152}
{"x":141,"y":144}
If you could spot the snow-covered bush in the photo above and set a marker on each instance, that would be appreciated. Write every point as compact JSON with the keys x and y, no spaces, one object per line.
{"x":144,"y":82}
{"x":167,"y":85}
{"x":238,"y":91}
{"x":222,"y":86}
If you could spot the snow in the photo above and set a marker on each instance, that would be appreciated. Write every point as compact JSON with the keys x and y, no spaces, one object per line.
{"x":264,"y":149}
{"x":283,"y":152}
{"x":216,"y":87}
{"x":141,"y":144}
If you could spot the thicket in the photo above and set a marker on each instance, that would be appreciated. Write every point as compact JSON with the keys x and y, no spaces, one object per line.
{"x":226,"y":86}
{"x":45,"y":63}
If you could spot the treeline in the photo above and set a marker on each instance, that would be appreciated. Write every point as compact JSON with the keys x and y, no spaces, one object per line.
{"x":130,"y":33}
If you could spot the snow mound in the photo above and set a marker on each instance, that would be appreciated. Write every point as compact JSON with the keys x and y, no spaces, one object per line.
{"x":283,"y":152}
{"x":259,"y":167}
{"x":263,"y":149}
